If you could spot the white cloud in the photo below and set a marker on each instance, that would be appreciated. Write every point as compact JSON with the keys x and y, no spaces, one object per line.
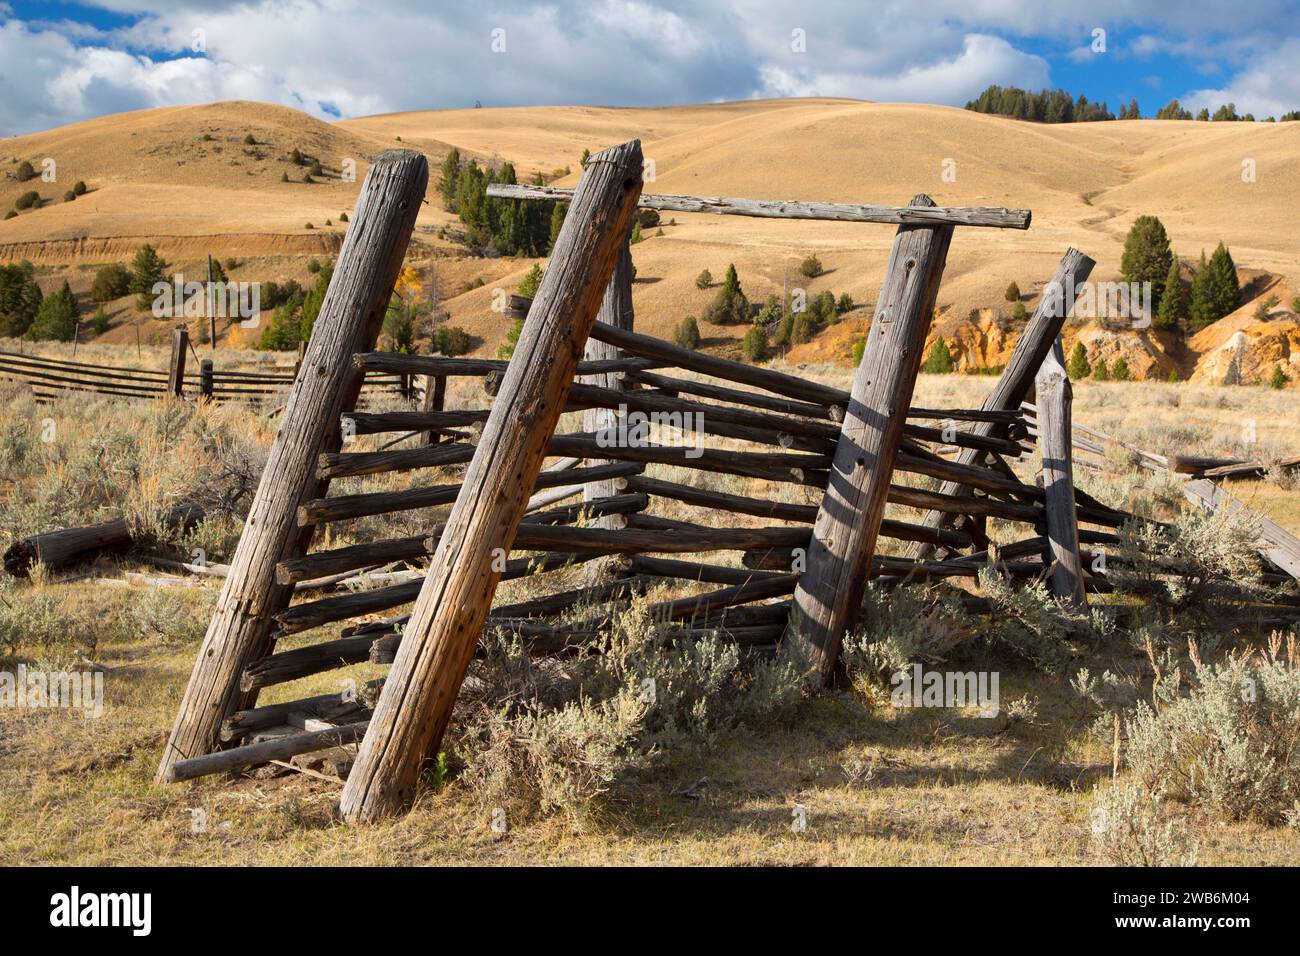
{"x":982,"y":60}
{"x":1269,"y":86}
{"x":354,"y":57}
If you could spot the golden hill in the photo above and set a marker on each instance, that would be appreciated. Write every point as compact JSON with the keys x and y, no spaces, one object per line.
{"x":152,"y":173}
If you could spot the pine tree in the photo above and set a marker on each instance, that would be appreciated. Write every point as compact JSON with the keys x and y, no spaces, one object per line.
{"x":312,"y":303}
{"x":1100,"y":372}
{"x":146,"y":269}
{"x":1147,"y":255}
{"x":557,"y":222}
{"x":56,"y":318}
{"x":1078,"y":367}
{"x":1225,"y":287}
{"x":1279,"y":378}
{"x":636,"y":233}
{"x":531,"y":282}
{"x":1120,"y":372}
{"x":704,"y":279}
{"x":731,"y":284}
{"x":20,"y":298}
{"x":1013,"y":293}
{"x":755,"y":343}
{"x":1200,"y":310}
{"x":1173,"y":303}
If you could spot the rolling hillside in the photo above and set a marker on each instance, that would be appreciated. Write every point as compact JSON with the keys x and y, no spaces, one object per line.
{"x":153,"y":175}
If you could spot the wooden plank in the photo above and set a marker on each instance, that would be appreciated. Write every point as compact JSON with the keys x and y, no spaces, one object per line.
{"x":416,"y":703}
{"x":349,"y":322}
{"x":1275,"y":542}
{"x":991,"y":216}
{"x":1055,"y":400}
{"x":828,"y":599}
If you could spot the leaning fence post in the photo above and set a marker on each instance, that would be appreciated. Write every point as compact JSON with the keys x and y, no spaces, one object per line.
{"x":1055,"y":440}
{"x":829,"y":593}
{"x":615,"y":310}
{"x":1018,"y":377}
{"x":349,"y":322}
{"x":176,"y":367}
{"x":443,"y":631}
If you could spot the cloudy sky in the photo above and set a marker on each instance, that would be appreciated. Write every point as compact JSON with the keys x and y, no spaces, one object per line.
{"x":62,"y":62}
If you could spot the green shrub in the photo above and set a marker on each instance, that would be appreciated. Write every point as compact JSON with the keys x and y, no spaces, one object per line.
{"x":99,"y":321}
{"x":755,"y":344}
{"x":859,"y":349}
{"x":1100,"y":372}
{"x":1229,"y":741}
{"x":729,"y":306}
{"x":111,"y":282}
{"x":1078,"y":368}
{"x":1019,"y":314}
{"x":811,"y":267}
{"x":845,"y":303}
{"x":28,"y":200}
{"x":25,"y":171}
{"x":1013,"y":293}
{"x":250,"y":140}
{"x":1127,"y":829}
{"x":1120,"y":373}
{"x":315,"y":168}
{"x":313,"y":266}
{"x":1278,"y":379}
{"x":452,"y":340}
{"x":704,"y":279}
{"x":69,"y":196}
{"x":687,"y":333}
{"x":11,"y":214}
{"x":939,"y":361}
{"x":343,"y":217}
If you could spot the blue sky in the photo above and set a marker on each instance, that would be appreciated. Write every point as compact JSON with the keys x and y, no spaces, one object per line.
{"x":62,"y":62}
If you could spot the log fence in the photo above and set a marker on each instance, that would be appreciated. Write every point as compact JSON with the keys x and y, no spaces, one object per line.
{"x":795,"y":493}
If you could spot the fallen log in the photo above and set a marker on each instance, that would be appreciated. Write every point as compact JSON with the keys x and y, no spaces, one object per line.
{"x":69,"y":546}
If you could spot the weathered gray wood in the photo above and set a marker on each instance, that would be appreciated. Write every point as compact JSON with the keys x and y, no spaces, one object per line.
{"x":400,"y":364}
{"x":176,"y":366}
{"x":828,"y":599}
{"x":1055,"y":398}
{"x":415,"y":705}
{"x":791,"y":386}
{"x":205,"y":379}
{"x":1275,"y":543}
{"x":60,"y":549}
{"x":327,"y":383}
{"x":251,"y":755}
{"x":342,"y":507}
{"x":992,"y":216}
{"x":616,"y":310}
{"x":1018,"y":377}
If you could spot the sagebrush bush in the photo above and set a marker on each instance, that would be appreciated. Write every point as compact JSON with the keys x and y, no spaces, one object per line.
{"x":1127,"y":829}
{"x":1229,"y":742}
{"x":902,"y":626}
{"x":544,"y":736}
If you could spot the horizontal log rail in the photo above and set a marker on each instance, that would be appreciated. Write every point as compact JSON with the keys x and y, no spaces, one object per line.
{"x":368,"y":504}
{"x":994,"y":217}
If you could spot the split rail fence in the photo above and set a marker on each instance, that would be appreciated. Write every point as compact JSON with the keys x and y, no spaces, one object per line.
{"x":815,"y":466}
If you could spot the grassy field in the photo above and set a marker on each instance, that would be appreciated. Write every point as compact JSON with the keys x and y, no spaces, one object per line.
{"x":876,"y":784}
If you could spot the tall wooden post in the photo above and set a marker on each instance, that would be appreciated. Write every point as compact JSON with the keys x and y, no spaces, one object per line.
{"x":205,"y":379}
{"x":1055,"y":440}
{"x":1018,"y":377}
{"x":327,"y":384}
{"x":829,"y":593}
{"x":176,"y":368}
{"x":416,"y":702}
{"x":615,"y":310}
{"x":433,"y":400}
{"x":211,"y":309}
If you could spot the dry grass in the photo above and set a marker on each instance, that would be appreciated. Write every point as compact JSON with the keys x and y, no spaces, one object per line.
{"x":878,"y":785}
